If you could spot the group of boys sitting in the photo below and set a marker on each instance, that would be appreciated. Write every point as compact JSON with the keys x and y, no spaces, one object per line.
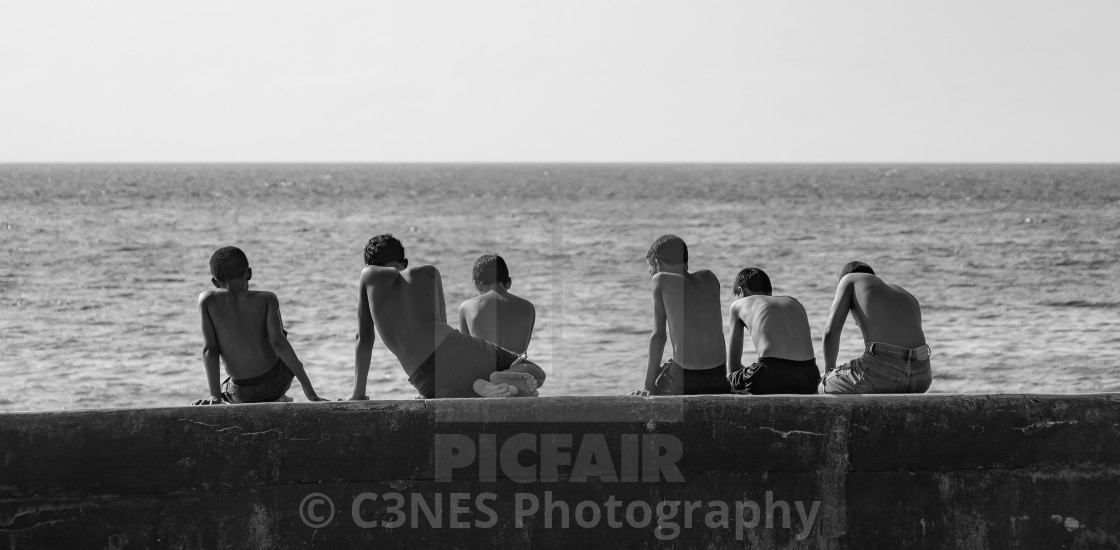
{"x":486,"y":356}
{"x":895,"y":360}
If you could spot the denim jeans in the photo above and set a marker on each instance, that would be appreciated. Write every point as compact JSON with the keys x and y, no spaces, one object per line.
{"x":882,"y":369}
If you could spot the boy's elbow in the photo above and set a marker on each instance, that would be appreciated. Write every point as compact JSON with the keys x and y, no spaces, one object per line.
{"x":278,"y":342}
{"x":830,"y":334}
{"x":210,"y":352}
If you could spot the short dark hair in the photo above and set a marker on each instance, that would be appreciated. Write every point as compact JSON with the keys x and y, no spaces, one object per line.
{"x":228,"y":262}
{"x":752,"y":279}
{"x":490,"y":269}
{"x":669,"y":249}
{"x":856,"y":267}
{"x":383,"y":249}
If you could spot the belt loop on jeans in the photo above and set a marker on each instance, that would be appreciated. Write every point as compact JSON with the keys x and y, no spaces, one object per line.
{"x":871,"y":348}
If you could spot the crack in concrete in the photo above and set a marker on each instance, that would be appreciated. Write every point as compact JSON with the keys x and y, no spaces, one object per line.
{"x":258,"y":433}
{"x":1038,"y":426}
{"x":9,"y":523}
{"x":199,"y":423}
{"x":228,"y":428}
{"x":791,"y":432}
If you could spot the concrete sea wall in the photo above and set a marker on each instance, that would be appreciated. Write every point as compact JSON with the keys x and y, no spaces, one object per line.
{"x":932,"y":471}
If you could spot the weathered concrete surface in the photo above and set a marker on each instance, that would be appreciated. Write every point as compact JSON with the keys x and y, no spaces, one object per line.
{"x":934,"y":471}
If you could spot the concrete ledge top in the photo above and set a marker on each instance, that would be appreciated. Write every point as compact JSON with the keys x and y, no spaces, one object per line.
{"x":644,"y":406}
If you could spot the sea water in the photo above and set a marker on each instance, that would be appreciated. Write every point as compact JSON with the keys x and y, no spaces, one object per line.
{"x":101,"y":265}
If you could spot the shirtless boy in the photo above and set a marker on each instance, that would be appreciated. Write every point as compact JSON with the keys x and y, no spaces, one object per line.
{"x":896,"y":357}
{"x":497,"y":315}
{"x":243,"y":328}
{"x":779,"y":328}
{"x":406,"y":305}
{"x":689,"y":304}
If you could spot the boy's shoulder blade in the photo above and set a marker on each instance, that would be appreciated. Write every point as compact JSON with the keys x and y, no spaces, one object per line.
{"x":374,"y":271}
{"x":853,"y":277}
{"x":706,"y":274}
{"x":903,"y":291}
{"x":789,"y":301}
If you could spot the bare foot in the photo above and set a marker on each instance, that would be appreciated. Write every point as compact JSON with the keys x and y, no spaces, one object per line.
{"x":524,"y":382}
{"x":284,"y":399}
{"x":486,"y":389}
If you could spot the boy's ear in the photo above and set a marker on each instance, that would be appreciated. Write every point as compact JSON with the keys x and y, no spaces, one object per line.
{"x":248,"y":273}
{"x":508,"y":283}
{"x":404,"y":262}
{"x":216,"y":283}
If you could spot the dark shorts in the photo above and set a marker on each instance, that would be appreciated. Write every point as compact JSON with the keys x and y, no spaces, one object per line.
{"x":772,"y":375}
{"x":882,"y":369}
{"x":673,"y":379}
{"x":450,"y":371}
{"x":265,"y":388}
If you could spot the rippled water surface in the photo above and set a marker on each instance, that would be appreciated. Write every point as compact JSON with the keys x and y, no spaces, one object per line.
{"x":101,"y":266}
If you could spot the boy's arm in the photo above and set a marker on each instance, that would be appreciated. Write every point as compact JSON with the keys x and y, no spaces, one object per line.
{"x":363,"y":350}
{"x":657,"y":339}
{"x":735,"y":343}
{"x":441,"y":305}
{"x":210,"y":350}
{"x":274,"y":325}
{"x":837,"y":314}
{"x":463,"y":319}
{"x":532,"y":324}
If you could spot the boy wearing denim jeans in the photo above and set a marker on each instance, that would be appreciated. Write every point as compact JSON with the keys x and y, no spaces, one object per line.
{"x":896,"y":357}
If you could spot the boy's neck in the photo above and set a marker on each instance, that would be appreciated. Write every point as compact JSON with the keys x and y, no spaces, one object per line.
{"x":500,"y":288}
{"x":236,"y":285}
{"x":679,"y":269}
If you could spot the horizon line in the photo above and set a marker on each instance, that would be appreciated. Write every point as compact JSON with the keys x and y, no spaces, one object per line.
{"x":563,"y":163}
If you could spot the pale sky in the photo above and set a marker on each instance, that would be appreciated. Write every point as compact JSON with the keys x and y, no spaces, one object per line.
{"x":560,"y":81}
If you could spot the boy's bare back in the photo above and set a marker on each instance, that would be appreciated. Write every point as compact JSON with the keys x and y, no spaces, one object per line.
{"x":241,"y":323}
{"x":694,"y":316}
{"x":407,"y":308}
{"x":499,"y":317}
{"x":779,"y":326}
{"x":886,"y":313}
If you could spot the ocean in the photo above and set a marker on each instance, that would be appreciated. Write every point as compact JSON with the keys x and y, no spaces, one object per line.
{"x":1015,"y":266}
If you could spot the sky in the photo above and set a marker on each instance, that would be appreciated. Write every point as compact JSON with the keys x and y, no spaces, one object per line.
{"x":559,"y":81}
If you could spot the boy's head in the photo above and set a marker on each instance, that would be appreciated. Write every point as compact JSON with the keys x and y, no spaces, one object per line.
{"x":855,"y":267}
{"x":228,"y":262}
{"x":668,"y":249}
{"x":385,"y":249}
{"x":490,"y":269}
{"x":754,"y":280}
